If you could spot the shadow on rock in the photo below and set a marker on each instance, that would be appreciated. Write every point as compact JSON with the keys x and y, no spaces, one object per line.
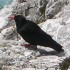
{"x":46,"y":53}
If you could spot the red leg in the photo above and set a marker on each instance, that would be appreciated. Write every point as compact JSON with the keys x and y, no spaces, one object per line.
{"x":29,"y":46}
{"x":26,"y":45}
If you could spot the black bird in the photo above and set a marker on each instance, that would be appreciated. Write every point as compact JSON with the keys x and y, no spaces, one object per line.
{"x":33,"y":34}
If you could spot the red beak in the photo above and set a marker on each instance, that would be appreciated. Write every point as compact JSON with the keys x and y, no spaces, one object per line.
{"x":11,"y":17}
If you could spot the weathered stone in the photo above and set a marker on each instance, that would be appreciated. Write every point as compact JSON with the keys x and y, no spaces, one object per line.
{"x":21,"y":1}
{"x":29,"y":69}
{"x":8,"y":33}
{"x":54,"y":7}
{"x":51,"y":68}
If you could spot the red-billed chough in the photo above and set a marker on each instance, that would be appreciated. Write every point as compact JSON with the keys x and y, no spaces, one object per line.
{"x":33,"y":34}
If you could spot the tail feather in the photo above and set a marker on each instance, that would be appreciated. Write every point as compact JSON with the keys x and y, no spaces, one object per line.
{"x":56,"y":46}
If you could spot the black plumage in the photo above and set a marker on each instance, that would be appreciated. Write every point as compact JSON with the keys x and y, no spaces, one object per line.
{"x":34,"y":35}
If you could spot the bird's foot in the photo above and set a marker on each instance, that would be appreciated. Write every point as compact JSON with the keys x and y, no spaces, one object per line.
{"x":29,"y":46}
{"x":26,"y":45}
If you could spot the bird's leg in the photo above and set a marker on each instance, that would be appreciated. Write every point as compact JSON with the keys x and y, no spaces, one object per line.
{"x":26,"y":45}
{"x":29,"y":46}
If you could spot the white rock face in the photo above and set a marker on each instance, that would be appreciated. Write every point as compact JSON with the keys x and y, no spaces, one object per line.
{"x":29,"y":69}
{"x":7,"y":33}
{"x":17,"y":57}
{"x":3,"y":22}
{"x":5,"y":13}
{"x":51,"y":26}
{"x":59,"y":32}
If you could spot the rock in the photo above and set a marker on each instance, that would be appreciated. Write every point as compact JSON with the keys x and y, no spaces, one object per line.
{"x":27,"y":53}
{"x":10,"y":68}
{"x":51,"y":27}
{"x":41,"y":69}
{"x":39,"y":10}
{"x":29,"y":8}
{"x":45,"y":62}
{"x":8,"y":33}
{"x":53,"y":8}
{"x":32,"y":11}
{"x":3,"y":22}
{"x":64,"y":65}
{"x":21,"y":1}
{"x":32,"y":69}
{"x":4,"y":14}
{"x":29,"y":69}
{"x":51,"y":69}
{"x":65,"y":12}
{"x":17,"y":57}
{"x":17,"y":50}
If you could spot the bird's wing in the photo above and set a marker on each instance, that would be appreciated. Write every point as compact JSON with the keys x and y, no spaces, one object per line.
{"x":31,"y":27}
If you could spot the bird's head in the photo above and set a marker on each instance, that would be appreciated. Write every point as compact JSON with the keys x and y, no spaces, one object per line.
{"x":19,"y":19}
